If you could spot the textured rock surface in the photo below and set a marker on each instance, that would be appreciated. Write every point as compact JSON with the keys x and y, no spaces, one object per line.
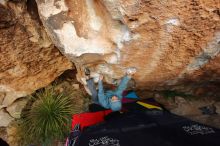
{"x":191,"y":108}
{"x":16,"y":107}
{"x":5,"y":118}
{"x":28,"y":59}
{"x":174,"y":44}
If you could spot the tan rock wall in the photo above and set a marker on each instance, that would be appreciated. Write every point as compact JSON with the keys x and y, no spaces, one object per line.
{"x":28,"y":59}
{"x":172,"y":43}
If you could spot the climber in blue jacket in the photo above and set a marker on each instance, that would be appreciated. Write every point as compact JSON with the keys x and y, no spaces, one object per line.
{"x":109,"y":99}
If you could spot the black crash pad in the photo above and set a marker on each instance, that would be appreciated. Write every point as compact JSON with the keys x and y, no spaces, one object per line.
{"x":146,"y":127}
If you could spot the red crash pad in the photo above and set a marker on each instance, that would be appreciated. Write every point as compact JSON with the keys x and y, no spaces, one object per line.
{"x":89,"y":118}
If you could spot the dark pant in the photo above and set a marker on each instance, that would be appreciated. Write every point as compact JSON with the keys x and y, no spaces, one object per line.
{"x":92,"y":88}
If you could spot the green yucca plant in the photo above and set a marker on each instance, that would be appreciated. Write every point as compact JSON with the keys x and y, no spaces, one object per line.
{"x":49,"y":118}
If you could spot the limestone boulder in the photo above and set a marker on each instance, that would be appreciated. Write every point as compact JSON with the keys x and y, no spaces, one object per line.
{"x":28,"y":58}
{"x":173,"y":44}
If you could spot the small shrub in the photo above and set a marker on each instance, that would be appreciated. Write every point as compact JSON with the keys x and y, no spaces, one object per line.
{"x":49,"y":118}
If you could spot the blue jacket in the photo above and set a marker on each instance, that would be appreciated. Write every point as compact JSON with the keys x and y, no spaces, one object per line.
{"x":104,"y":97}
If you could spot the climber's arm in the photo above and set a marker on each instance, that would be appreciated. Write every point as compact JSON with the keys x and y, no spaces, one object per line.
{"x":123,"y":84}
{"x":101,"y":95}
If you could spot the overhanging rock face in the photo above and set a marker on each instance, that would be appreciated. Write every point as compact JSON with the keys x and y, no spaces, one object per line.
{"x":173,"y":44}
